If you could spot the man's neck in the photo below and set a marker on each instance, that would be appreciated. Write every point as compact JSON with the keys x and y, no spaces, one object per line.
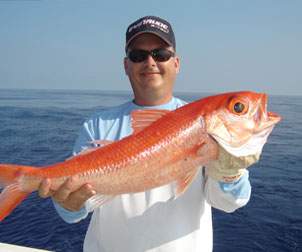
{"x":152,"y":102}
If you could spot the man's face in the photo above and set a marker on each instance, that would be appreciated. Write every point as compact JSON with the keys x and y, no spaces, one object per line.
{"x":151,"y":80}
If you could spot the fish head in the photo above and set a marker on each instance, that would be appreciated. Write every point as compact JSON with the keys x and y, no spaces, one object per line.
{"x":240,"y":122}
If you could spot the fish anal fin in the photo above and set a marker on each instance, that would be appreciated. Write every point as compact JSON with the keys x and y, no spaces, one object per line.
{"x":97,"y":201}
{"x":141,"y":119}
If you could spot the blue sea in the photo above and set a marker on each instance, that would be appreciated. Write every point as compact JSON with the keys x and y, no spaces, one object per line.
{"x":39,"y":127}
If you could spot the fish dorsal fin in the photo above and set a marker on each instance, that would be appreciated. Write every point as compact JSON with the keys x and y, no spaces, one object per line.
{"x":101,"y":143}
{"x":94,"y":145}
{"x":141,"y":119}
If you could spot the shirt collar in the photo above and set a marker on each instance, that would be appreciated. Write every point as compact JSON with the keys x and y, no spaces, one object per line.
{"x":167,"y":106}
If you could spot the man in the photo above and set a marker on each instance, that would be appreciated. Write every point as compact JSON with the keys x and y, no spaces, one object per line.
{"x":153,"y":220}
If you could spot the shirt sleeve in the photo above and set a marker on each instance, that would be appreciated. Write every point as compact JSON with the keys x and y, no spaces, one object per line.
{"x":82,"y":142}
{"x":71,"y":216}
{"x":228,"y":196}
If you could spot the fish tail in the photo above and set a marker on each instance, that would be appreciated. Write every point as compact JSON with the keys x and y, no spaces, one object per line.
{"x":11,"y":195}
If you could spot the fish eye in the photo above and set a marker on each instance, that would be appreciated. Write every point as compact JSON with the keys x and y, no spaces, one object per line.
{"x":238,"y":106}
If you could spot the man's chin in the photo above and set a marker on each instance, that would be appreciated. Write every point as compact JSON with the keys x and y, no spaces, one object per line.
{"x":152,"y":84}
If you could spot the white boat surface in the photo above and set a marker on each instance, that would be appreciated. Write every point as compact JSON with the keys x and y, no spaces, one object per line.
{"x":5,"y":247}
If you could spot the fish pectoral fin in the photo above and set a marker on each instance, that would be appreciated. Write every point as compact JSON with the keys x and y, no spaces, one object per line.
{"x":141,"y":119}
{"x":207,"y":150}
{"x":97,"y":201}
{"x":184,"y":183}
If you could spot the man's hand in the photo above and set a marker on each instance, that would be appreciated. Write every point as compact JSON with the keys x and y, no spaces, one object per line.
{"x":228,"y":168}
{"x":67,"y":195}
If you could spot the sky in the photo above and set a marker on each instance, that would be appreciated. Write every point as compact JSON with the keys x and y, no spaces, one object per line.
{"x":225,"y":45}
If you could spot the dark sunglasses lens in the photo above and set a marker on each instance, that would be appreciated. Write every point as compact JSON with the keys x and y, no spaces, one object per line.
{"x":138,"y":55}
{"x":161,"y":55}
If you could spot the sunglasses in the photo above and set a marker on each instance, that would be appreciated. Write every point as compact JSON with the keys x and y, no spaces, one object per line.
{"x":159,"y":55}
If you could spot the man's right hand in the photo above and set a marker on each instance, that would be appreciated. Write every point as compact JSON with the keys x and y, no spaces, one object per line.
{"x":68,"y":195}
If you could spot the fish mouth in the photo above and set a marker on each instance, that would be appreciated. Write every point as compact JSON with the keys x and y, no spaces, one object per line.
{"x":264,"y":118}
{"x":274,"y":117}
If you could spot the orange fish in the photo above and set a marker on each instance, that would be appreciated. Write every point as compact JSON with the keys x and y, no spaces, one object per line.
{"x":165,"y":147}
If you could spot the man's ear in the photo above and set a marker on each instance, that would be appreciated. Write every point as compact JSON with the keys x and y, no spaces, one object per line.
{"x":126,"y":66}
{"x":177,"y":64}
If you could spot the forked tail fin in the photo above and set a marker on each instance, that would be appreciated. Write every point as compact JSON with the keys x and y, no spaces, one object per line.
{"x":11,"y":195}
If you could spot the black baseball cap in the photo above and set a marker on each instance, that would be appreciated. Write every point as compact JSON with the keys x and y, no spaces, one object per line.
{"x":151,"y":24}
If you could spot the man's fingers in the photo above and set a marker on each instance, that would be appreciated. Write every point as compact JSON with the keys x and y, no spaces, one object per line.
{"x":67,"y":195}
{"x":85,"y":192}
{"x":76,"y":199}
{"x":44,"y":189}
{"x":65,"y":190}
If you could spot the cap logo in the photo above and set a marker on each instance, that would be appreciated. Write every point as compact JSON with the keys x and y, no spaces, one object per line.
{"x":151,"y":22}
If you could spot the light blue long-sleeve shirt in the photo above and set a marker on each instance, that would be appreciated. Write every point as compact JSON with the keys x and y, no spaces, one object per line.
{"x":115,"y":123}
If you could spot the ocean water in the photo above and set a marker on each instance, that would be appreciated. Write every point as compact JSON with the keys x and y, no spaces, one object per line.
{"x":39,"y":127}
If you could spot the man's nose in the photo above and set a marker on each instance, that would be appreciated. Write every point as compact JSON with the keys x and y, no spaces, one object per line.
{"x":150,"y":61}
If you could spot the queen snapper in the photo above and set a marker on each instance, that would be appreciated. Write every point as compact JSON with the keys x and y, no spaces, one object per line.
{"x":165,"y":147}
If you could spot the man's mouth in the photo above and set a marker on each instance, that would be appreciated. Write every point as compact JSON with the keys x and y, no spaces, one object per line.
{"x":149,"y":73}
